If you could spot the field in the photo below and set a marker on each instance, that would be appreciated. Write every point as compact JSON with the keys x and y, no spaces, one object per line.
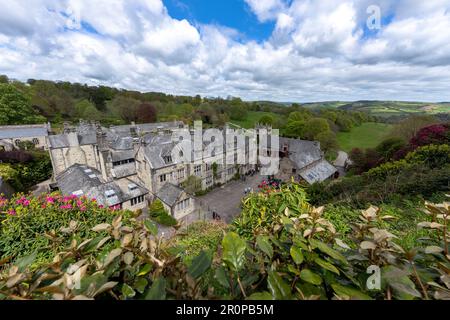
{"x":386,"y":109}
{"x":368,"y":135}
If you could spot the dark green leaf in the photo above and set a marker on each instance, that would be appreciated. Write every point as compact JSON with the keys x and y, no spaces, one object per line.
{"x":279,"y":289}
{"x":310,"y":277}
{"x":158,"y":290}
{"x":328,"y":250}
{"x":151,"y":227}
{"x":234,"y":251}
{"x":350,"y":293}
{"x":200,"y":265}
{"x":297,"y":255}
{"x":221,"y":277}
{"x":326,"y":265}
{"x":261,"y":296}
{"x":127,"y":291}
{"x":264,"y":245}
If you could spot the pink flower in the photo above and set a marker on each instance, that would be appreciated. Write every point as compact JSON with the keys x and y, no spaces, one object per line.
{"x":50,"y":200}
{"x":12,"y":212}
{"x":67,"y":206}
{"x":26,"y":203}
{"x":83,"y":209}
{"x":101,"y":207}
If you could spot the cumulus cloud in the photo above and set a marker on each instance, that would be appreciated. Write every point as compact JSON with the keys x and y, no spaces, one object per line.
{"x":319,"y":50}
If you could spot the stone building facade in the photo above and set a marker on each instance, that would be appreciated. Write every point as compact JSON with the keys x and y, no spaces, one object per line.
{"x":142,"y":156}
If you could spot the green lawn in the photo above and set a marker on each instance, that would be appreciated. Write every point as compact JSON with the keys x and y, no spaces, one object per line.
{"x":368,"y":135}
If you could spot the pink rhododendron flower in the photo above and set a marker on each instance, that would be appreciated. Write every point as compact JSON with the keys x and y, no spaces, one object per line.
{"x":50,"y":200}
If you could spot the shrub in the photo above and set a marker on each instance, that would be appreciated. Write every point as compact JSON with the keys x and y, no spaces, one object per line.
{"x":296,"y":257}
{"x":28,"y":224}
{"x":160,"y":215}
{"x":198,"y":237}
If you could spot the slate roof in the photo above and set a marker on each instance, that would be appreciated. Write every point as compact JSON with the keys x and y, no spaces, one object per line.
{"x":158,"y":146}
{"x":169,"y":194}
{"x":122,"y":155}
{"x":318,"y":172}
{"x":17,"y":132}
{"x":302,"y":152}
{"x":146,"y":127}
{"x":89,"y":181}
{"x":124,"y":170}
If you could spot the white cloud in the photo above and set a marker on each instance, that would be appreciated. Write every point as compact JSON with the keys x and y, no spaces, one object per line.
{"x":319,"y":50}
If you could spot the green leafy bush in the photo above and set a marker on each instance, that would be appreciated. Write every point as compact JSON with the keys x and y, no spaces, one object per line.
{"x":28,"y":223}
{"x":198,"y":237}
{"x":160,"y":215}
{"x":290,"y":257}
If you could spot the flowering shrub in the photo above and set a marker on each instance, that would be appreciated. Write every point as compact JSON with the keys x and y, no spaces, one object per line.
{"x":435,"y":134}
{"x":269,"y":186}
{"x":27,"y":222}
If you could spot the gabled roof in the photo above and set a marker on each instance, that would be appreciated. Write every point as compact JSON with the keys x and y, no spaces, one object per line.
{"x":26,"y":131}
{"x":318,"y":172}
{"x":302,"y":152}
{"x":170,"y":194}
{"x":83,"y":180}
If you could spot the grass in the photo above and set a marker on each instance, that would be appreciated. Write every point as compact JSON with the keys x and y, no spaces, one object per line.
{"x":368,"y":135}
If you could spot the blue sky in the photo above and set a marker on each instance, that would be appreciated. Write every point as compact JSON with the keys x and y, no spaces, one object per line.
{"x":279,"y":50}
{"x":235,"y":14}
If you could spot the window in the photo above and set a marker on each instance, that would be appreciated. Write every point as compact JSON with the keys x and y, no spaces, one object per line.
{"x":123,"y":162}
{"x":181,"y":174}
{"x":209,"y":181}
{"x":183,"y":204}
{"x":168,"y":159}
{"x":132,"y":187}
{"x":294,"y":170}
{"x":163,"y":178}
{"x":137,"y":200}
{"x":208,"y":167}
{"x":35,"y":141}
{"x":110,"y":194}
{"x":198,"y":170}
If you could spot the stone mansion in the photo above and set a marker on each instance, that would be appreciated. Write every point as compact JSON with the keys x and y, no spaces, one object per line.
{"x":129,"y":166}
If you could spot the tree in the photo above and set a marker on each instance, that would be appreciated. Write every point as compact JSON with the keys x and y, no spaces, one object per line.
{"x":4,"y":79}
{"x":192,"y":185}
{"x":435,"y":134}
{"x":299,"y":116}
{"x":328,"y":141}
{"x":266,"y":120}
{"x":344,"y":122}
{"x":314,"y":127}
{"x":295,"y":129}
{"x":15,"y":107}
{"x":87,"y":111}
{"x":389,"y":147}
{"x":125,"y":108}
{"x":408,"y":129}
{"x":146,"y":113}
